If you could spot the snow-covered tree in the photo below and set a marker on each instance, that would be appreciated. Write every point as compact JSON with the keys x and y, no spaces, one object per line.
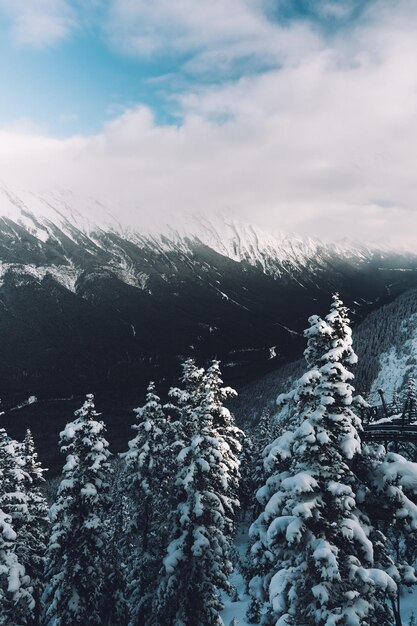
{"x":391,"y":501}
{"x":116,"y":609}
{"x":146,"y":482}
{"x":17,"y":601}
{"x":276,"y":455}
{"x":198,"y":560}
{"x":33,"y":467}
{"x":225,"y":429}
{"x":76,"y":556}
{"x":395,"y":403}
{"x":320,"y":561}
{"x":33,"y":532}
{"x":410,"y":404}
{"x":247,"y":469}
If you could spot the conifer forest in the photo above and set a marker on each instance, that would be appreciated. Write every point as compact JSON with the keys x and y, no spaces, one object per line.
{"x":299,"y":520}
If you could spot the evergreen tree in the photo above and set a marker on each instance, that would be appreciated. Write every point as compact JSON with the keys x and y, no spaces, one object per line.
{"x":33,"y":467}
{"x":276,"y":456}
{"x":34,"y":529}
{"x":198,"y":559}
{"x":247,"y":471}
{"x":410,"y":405}
{"x":224,"y":428}
{"x":76,"y":556}
{"x":323,"y":562}
{"x":146,"y":483}
{"x":17,"y":601}
{"x":262,"y":437}
{"x":390,"y":500}
{"x":395,"y":403}
{"x":120,"y":546}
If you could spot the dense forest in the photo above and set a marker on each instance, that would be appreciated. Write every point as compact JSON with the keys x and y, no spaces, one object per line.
{"x":148,"y":538}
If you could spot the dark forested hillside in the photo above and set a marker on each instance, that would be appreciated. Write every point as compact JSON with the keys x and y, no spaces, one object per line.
{"x":91,"y":310}
{"x":386,"y":345}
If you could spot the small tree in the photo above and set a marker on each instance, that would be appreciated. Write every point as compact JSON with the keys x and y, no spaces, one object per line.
{"x":35,"y":527}
{"x":146,"y":482}
{"x":410,"y":404}
{"x":17,"y":602}
{"x":395,"y":403}
{"x":247,"y":469}
{"x":76,"y":556}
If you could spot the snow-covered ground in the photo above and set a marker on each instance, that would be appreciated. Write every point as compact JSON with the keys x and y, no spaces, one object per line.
{"x":238,"y":608}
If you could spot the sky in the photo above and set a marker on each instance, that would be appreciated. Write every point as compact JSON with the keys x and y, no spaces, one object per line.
{"x":294,"y":115}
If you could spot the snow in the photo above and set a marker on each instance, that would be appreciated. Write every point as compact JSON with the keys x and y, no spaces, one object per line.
{"x":299,"y":483}
{"x":397,"y":363}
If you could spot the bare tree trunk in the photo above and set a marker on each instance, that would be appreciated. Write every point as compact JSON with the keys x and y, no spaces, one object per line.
{"x":396,"y":610}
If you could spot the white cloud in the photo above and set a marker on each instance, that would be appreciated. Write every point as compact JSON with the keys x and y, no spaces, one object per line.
{"x":324,"y":146}
{"x":212,"y":36}
{"x":36,"y":23}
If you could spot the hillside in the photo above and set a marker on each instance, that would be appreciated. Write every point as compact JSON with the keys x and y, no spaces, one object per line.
{"x":386,"y":345}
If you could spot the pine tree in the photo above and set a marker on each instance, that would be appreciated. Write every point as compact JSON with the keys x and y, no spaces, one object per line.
{"x":33,"y":467}
{"x":276,"y":456}
{"x":253,"y":613}
{"x":395,"y":403}
{"x":225,"y":430}
{"x":329,"y":564}
{"x":76,"y":556}
{"x":34,"y":529}
{"x":410,"y":405}
{"x":146,"y":483}
{"x":120,"y":546}
{"x":247,"y":471}
{"x":17,"y":602}
{"x":198,"y":560}
{"x":390,"y":499}
{"x":261,"y":440}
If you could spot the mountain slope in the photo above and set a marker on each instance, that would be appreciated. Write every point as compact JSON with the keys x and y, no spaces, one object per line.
{"x":103,"y":309}
{"x":86,"y":308}
{"x":386,"y":345}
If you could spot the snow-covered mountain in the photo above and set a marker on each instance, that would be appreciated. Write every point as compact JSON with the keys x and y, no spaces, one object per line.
{"x":86,"y":301}
{"x":53,"y":217}
{"x":89,"y":305}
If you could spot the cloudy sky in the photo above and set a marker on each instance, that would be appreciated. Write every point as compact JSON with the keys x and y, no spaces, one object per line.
{"x":297,"y":115}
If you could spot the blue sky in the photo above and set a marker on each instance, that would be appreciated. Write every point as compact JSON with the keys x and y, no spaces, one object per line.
{"x":74,"y":85}
{"x":78,"y":70}
{"x":300,"y":115}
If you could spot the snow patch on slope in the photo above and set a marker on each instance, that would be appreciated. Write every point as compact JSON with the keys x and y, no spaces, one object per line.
{"x":400,"y":361}
{"x":65,"y":275}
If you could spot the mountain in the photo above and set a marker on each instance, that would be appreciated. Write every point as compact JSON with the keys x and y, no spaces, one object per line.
{"x":105,"y":308}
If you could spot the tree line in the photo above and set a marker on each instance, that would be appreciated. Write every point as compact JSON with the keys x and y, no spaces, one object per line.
{"x":332,"y":539}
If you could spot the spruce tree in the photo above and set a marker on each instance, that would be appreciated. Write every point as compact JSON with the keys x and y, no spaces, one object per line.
{"x":120,"y":546}
{"x":17,"y":601}
{"x":35,"y":527}
{"x":198,"y":560}
{"x":247,"y":473}
{"x":323,"y":562}
{"x":395,"y":403}
{"x":410,"y":405}
{"x":76,"y":556}
{"x":276,"y":457}
{"x":146,"y":482}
